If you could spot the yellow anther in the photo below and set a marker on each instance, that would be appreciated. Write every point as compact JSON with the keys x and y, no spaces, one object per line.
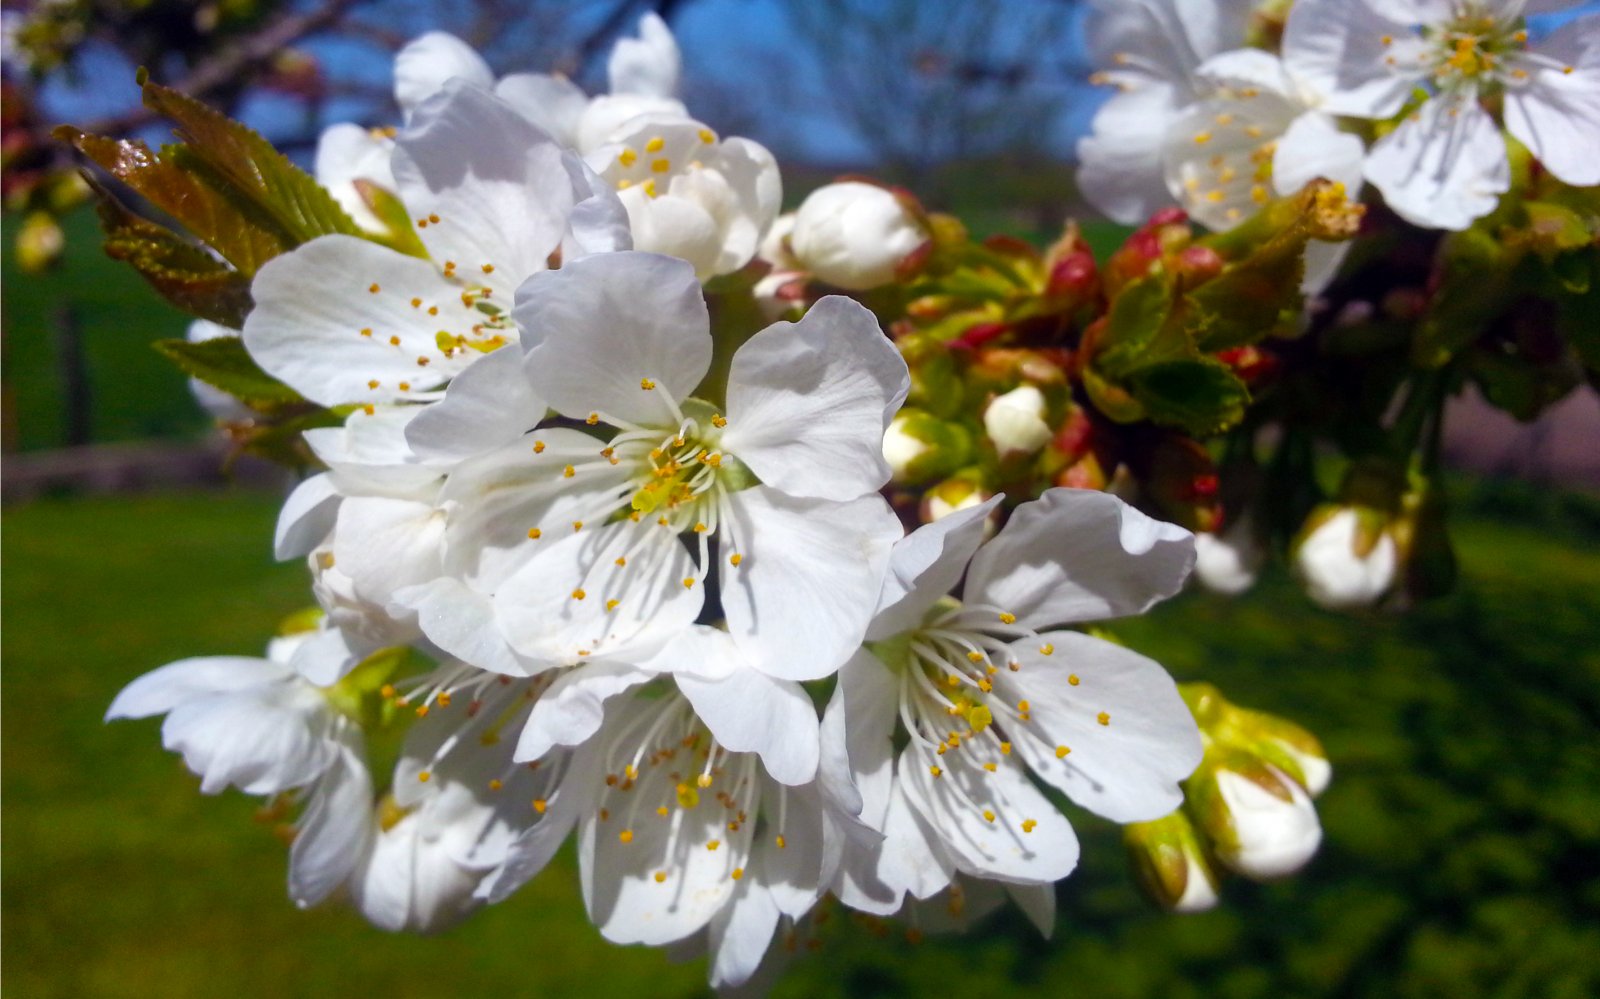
{"x":1072,"y":678}
{"x":625,"y":835}
{"x":704,"y":780}
{"x":650,"y":187}
{"x":713,"y":844}
{"x":646,"y":384}
{"x":495,"y":785}
{"x":1061,"y":752}
{"x":1224,"y":119}
{"x":487,"y":269}
{"x":394,"y":341}
{"x":1201,"y":138}
{"x":372,"y":383}
{"x":627,"y":157}
{"x":568,"y":472}
{"x":630,"y":771}
{"x":988,"y":816}
{"x":707,"y":136}
{"x":973,"y":656}
{"x":1103,"y":718}
{"x":539,"y":805}
{"x":592,"y":419}
{"x":1254,"y":131}
{"x":622,"y":560}
{"x":688,"y":582}
{"x":1005,"y":749}
{"x":735,"y":559}
{"x":613,"y":604}
{"x":718,"y":420}
{"x":663,"y":811}
{"x":367,"y":331}
{"x":660,"y":166}
{"x":422,"y":711}
{"x":738,"y":872}
{"x":1007,"y":618}
{"x":1023,"y":707}
{"x":405,"y":386}
{"x":416,"y":303}
{"x":577,"y":525}
{"x":423,"y":776}
{"x":1028,"y":824}
{"x":1215,"y":196}
{"x":700,"y":528}
{"x":782,"y":843}
{"x":443,"y":698}
{"x":386,"y":691}
{"x":1258,"y":193}
{"x":990,"y":767}
{"x":655,"y":144}
{"x":984,"y":684}
{"x":368,"y":408}
{"x":538,"y":447}
{"x":534,"y":533}
{"x":1047,"y":649}
{"x":374,"y":288}
{"x":935,"y":771}
{"x":578,"y":594}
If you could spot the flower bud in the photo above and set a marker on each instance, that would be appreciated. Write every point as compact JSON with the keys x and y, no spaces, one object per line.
{"x":920,"y":447}
{"x":855,"y":235}
{"x":1260,"y":821}
{"x":1346,"y":557}
{"x":1170,"y":862}
{"x":1015,"y":422}
{"x":1228,"y":562}
{"x":958,"y":492}
{"x":40,"y":243}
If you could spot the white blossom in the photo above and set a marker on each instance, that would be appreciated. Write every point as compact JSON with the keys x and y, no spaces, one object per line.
{"x":854,"y":235}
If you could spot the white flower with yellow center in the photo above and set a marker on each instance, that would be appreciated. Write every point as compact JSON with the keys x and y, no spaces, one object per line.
{"x":1446,"y":164}
{"x":1149,"y":50}
{"x":598,"y":543}
{"x":987,"y":694}
{"x":689,"y":193}
{"x":260,"y":726}
{"x":344,"y":320}
{"x":679,"y":832}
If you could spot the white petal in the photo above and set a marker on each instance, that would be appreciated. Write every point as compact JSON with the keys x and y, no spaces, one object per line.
{"x":313,"y":302}
{"x":572,"y":797}
{"x":1444,"y":166}
{"x":383,"y":544}
{"x":995,"y":823}
{"x":571,"y":710}
{"x":461,"y":621}
{"x":499,"y":185}
{"x":334,"y":830}
{"x":675,"y":225}
{"x":600,"y":326}
{"x":1119,"y":163}
{"x":544,"y":617}
{"x":1126,"y":769}
{"x":486,"y":406}
{"x":1078,"y":555}
{"x":800,"y":599}
{"x":1336,"y":49}
{"x":1557,"y":114}
{"x":554,"y":103}
{"x":792,"y":872}
{"x":1245,"y":69}
{"x":808,"y":402}
{"x":327,"y":655}
{"x":648,"y":64}
{"x":925,"y":566}
{"x":369,"y":454}
{"x":263,"y":740}
{"x":347,"y":153}
{"x":753,"y":171}
{"x":748,"y":711}
{"x":1314,"y":147}
{"x":161,"y":690}
{"x":427,"y":62}
{"x":1038,"y":903}
{"x":740,"y":934}
{"x":306,"y":518}
{"x":1275,"y":837}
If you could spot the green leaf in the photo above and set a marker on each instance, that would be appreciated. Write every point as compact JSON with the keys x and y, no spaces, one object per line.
{"x":1475,"y":286}
{"x":402,"y":236}
{"x":1133,"y":326}
{"x":223,"y":363}
{"x":289,"y":199}
{"x":1250,"y":299}
{"x":183,"y":273}
{"x":1111,"y":399}
{"x":1201,"y":395}
{"x":283,"y":441}
{"x":207,"y":213}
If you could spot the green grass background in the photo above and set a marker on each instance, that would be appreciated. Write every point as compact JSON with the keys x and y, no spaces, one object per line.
{"x":1462,"y":825}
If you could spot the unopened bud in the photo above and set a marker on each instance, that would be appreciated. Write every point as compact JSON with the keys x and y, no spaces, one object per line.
{"x":855,"y":235}
{"x":1230,"y":561}
{"x":40,"y":243}
{"x":920,"y":447}
{"x":1171,"y":864}
{"x":1346,"y":557}
{"x":959,"y":492}
{"x":1260,"y":821}
{"x":1015,"y":422}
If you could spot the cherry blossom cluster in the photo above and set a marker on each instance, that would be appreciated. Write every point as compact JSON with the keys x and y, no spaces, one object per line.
{"x":663,"y":604}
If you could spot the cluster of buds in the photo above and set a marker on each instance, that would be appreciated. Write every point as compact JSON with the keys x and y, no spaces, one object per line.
{"x":1247,"y":808}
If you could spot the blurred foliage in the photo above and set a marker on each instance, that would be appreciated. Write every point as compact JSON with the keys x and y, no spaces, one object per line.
{"x":1462,"y":824}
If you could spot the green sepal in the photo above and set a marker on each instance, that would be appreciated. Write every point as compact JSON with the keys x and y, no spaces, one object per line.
{"x":223,"y":363}
{"x":1134,"y":326}
{"x":400,"y":237}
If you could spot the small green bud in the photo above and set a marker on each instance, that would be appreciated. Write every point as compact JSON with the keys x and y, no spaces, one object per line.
{"x":920,"y":447}
{"x":1170,"y":862}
